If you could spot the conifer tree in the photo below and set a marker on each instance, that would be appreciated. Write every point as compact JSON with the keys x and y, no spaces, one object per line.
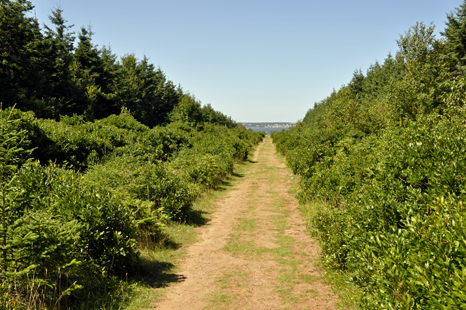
{"x":20,"y":39}
{"x":88,"y":74}
{"x":127,"y":84}
{"x":166,"y":97}
{"x":107,"y":80}
{"x":455,"y":33}
{"x":145,"y":91}
{"x":356,"y":84}
{"x":61,"y":90}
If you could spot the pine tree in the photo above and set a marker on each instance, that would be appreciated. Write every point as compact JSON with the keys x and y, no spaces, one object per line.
{"x":145,"y":91}
{"x":455,"y":33}
{"x":163,"y":97}
{"x":106,"y":81}
{"x":128,"y":84}
{"x":88,"y":72}
{"x":356,"y":84}
{"x":20,"y":41}
{"x":61,"y":90}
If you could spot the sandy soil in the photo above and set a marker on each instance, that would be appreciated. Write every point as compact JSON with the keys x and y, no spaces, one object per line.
{"x":255,"y":253}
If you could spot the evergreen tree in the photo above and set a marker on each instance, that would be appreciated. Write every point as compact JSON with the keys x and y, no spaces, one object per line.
{"x":88,"y":74}
{"x":61,"y":92}
{"x":107,"y":80}
{"x":166,"y":98}
{"x":145,"y":91}
{"x":356,"y":84}
{"x":455,"y":33}
{"x":128,"y":84}
{"x":43,"y":72}
{"x":20,"y":40}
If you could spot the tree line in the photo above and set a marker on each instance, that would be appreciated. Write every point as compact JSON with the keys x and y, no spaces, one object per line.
{"x":382,"y":166}
{"x":53,"y":71}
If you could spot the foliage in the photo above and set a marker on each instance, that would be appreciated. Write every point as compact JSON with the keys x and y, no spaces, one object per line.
{"x":107,"y":235}
{"x":418,"y":90}
{"x":20,"y":76}
{"x":213,"y":153}
{"x":56,"y":228}
{"x":188,"y":111}
{"x":90,"y":164}
{"x":42,"y":70}
{"x":209,"y":115}
{"x":384,"y":159}
{"x":71,"y":144}
{"x":152,"y":192}
{"x":455,"y":33}
{"x":72,"y":221}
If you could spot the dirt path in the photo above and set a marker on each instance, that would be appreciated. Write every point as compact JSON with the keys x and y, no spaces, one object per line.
{"x":255,"y":253}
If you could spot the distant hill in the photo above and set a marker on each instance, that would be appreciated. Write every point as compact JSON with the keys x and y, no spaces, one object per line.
{"x":268,"y":128}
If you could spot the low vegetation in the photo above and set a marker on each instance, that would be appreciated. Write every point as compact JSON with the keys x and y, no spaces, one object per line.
{"x":75,"y":209}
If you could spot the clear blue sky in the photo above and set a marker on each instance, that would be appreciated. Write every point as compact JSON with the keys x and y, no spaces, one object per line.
{"x":255,"y":60}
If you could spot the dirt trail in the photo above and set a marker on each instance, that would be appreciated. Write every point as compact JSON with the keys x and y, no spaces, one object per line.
{"x":255,"y":253}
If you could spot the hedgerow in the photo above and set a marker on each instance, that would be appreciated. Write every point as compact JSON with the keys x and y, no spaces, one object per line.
{"x":77,"y":196}
{"x":384,"y":160}
{"x":392,"y":210}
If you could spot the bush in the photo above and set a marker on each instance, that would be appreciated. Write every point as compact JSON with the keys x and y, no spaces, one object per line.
{"x":412,"y":218}
{"x":135,"y":182}
{"x":124,"y":121}
{"x":203,"y":170}
{"x":107,"y":229}
{"x":54,"y":228}
{"x":73,"y":145}
{"x":393,"y":211}
{"x":19,"y":133}
{"x":213,"y":153}
{"x":160,"y":143}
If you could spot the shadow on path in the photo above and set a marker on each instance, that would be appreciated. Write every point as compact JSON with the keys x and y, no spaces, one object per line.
{"x":156,"y":274}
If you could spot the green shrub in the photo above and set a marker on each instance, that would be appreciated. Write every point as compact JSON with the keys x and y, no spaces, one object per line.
{"x":399,"y":233}
{"x":204,"y":169}
{"x":65,"y":230}
{"x":212,"y":154}
{"x":135,"y":182}
{"x":19,"y":132}
{"x":116,"y":137}
{"x":73,"y":145}
{"x":182,"y":128}
{"x":124,"y":121}
{"x":58,"y":235}
{"x":161,"y":143}
{"x":108,"y":231}
{"x":404,"y":210}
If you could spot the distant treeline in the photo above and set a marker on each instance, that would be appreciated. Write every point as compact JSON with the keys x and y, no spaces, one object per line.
{"x":384,"y":161}
{"x":53,"y":71}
